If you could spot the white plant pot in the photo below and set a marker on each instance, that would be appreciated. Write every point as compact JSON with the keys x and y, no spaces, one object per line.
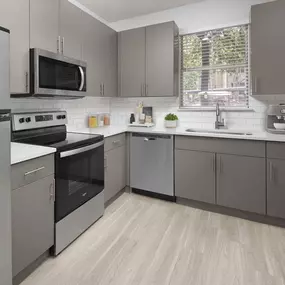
{"x":170,"y":124}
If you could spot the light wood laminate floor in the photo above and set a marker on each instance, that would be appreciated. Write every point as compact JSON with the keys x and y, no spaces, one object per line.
{"x":144,"y":241}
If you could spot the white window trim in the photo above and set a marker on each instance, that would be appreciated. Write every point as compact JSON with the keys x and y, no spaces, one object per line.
{"x":247,"y":108}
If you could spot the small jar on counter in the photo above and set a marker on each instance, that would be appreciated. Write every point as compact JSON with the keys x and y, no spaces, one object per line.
{"x":93,"y":121}
{"x":107,"y":120}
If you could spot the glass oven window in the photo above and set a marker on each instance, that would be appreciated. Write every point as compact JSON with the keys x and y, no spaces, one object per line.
{"x":79,"y":178}
{"x":55,"y":74}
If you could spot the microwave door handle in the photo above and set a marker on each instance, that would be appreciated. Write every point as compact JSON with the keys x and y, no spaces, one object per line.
{"x":82,"y":78}
{"x":80,"y":150}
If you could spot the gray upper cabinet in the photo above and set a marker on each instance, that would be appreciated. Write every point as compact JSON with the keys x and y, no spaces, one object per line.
{"x":241,"y":183}
{"x":161,"y":60}
{"x":99,"y":50}
{"x":276,"y":188}
{"x":148,"y":61}
{"x":14,"y":15}
{"x":132,"y":58}
{"x":195,"y":175}
{"x":268,"y":45}
{"x":110,"y":52}
{"x":44,"y":24}
{"x":32,"y":222}
{"x":70,"y":30}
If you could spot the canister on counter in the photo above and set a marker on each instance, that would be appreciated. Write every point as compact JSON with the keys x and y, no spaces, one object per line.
{"x":93,"y":121}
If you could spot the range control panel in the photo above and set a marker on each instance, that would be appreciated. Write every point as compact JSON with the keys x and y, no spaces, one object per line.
{"x":26,"y":121}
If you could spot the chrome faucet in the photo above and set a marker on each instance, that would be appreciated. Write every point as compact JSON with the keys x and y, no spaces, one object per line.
{"x":220,"y":123}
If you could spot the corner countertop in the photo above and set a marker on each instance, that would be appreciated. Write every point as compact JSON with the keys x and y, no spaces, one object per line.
{"x":115,"y":130}
{"x":22,"y":152}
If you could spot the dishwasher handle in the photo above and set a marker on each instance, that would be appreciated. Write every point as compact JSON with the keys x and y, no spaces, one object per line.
{"x":149,"y":139}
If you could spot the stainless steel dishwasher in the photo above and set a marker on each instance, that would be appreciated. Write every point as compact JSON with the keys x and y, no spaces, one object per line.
{"x":151,"y":165}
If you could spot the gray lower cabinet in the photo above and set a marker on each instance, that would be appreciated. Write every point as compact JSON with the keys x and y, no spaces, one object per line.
{"x":44,"y":24}
{"x":115,"y":165}
{"x":276,"y":188}
{"x":241,"y":183}
{"x":14,"y":15}
{"x":195,"y":175}
{"x":32,"y":222}
{"x":267,"y":48}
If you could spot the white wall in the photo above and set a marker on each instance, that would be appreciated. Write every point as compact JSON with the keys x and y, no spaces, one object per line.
{"x":201,"y":16}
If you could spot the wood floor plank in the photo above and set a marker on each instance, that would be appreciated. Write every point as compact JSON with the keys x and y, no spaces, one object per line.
{"x":144,"y":241}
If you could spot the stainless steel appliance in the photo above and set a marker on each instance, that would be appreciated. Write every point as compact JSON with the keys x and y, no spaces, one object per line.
{"x":151,"y":165}
{"x":55,"y":75}
{"x":275,"y":122}
{"x":5,"y":162}
{"x":79,"y":171}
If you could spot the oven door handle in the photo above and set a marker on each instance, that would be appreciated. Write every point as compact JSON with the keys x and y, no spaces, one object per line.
{"x":80,"y":150}
{"x":82,"y":78}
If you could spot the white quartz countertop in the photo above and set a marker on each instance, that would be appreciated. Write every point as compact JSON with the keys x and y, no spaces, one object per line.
{"x":23,"y":152}
{"x":114,"y":130}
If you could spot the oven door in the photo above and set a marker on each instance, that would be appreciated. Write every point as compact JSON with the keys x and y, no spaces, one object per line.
{"x":79,"y":177}
{"x":56,"y":75}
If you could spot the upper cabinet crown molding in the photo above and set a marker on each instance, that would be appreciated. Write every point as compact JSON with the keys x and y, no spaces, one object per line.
{"x":267,"y":48}
{"x":149,"y":61}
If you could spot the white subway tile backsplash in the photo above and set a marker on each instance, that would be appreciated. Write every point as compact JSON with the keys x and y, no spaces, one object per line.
{"x":121,"y":109}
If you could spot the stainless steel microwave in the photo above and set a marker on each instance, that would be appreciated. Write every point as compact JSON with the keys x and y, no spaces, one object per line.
{"x":55,"y":75}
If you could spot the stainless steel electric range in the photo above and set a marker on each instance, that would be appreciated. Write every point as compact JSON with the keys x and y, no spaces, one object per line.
{"x":79,"y":171}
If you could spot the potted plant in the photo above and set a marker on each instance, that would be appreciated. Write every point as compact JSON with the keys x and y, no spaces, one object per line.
{"x":171,"y":121}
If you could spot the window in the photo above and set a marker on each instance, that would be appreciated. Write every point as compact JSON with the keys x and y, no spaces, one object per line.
{"x":215,"y":68}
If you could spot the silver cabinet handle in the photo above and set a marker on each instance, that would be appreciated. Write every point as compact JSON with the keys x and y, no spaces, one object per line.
{"x":146,"y":89}
{"x":254,"y":82}
{"x":34,"y":171}
{"x":82,"y":78}
{"x":52,"y":192}
{"x":214,"y":163}
{"x":58,"y":44}
{"x":271,"y":171}
{"x":27,"y":82}
{"x":62,"y":45}
{"x":142,"y":90}
{"x":116,"y":142}
{"x":103,"y":89}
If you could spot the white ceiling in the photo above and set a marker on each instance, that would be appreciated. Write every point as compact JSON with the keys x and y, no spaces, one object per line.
{"x":116,"y":10}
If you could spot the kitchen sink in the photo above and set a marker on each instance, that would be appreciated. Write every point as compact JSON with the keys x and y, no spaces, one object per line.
{"x":218,"y":132}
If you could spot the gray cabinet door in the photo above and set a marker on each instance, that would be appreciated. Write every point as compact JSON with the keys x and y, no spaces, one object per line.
{"x":160,"y":61}
{"x":70,"y":29}
{"x":44,"y":24}
{"x":241,"y":183}
{"x":115,"y":171}
{"x":110,"y":52}
{"x":268,"y":45}
{"x":14,"y":15}
{"x":195,"y":175}
{"x":32,"y":222}
{"x":132,"y":63}
{"x":276,"y":188}
{"x":89,"y":51}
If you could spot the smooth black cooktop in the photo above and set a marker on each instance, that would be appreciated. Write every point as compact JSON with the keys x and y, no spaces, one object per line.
{"x":75,"y":140}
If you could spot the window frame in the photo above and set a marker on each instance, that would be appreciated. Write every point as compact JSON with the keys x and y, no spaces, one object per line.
{"x":246,"y":108}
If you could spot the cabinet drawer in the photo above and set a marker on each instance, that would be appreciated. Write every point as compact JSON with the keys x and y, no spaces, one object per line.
{"x":31,"y":171}
{"x":226,"y":146}
{"x":115,"y":141}
{"x":276,"y":150}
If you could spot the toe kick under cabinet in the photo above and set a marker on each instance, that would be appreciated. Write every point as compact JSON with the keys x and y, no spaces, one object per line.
{"x":226,"y":172}
{"x":32,"y":211}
